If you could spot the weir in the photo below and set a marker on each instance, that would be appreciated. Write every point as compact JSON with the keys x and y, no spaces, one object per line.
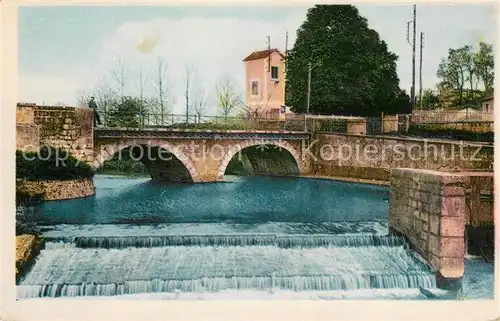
{"x":256,"y":235}
{"x":281,"y":241}
{"x":103,"y":266}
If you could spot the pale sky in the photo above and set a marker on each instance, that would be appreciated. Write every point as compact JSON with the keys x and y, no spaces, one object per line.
{"x":66,"y":50}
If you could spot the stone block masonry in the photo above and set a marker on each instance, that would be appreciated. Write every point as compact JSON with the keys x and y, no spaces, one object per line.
{"x":373,"y":157}
{"x":430,"y":209}
{"x":59,"y":190}
{"x":68,"y":128}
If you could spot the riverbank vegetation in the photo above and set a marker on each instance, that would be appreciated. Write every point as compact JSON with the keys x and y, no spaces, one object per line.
{"x":50,"y":163}
{"x":46,"y":164}
{"x":123,"y":164}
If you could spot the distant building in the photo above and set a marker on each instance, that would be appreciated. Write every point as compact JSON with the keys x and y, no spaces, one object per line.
{"x":265,"y":84}
{"x":487,"y":103}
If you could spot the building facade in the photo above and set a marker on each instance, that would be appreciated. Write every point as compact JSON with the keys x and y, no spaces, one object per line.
{"x":265,"y":84}
{"x":487,"y":103}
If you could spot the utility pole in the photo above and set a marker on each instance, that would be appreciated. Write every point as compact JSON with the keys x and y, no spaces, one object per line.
{"x":420,"y":81}
{"x":269,"y":54}
{"x":413,"y":59}
{"x":187,"y":96}
{"x":412,"y":44}
{"x":286,"y":48}
{"x":284,"y":71}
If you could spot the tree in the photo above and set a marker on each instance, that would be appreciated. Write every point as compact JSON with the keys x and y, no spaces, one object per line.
{"x":354,"y":71}
{"x":470,"y":69}
{"x":188,"y":71}
{"x":484,"y":63}
{"x":227,"y":99}
{"x":105,"y":99}
{"x":127,"y":112}
{"x":118,"y":73}
{"x":461,"y":73}
{"x":453,"y":70}
{"x":429,"y":99}
{"x":142,"y":83}
{"x":199,"y":103}
{"x":256,"y":109}
{"x":158,"y":106}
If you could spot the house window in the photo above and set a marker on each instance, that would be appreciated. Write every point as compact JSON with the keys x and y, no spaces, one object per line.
{"x":487,"y":107}
{"x":274,"y":73}
{"x":255,"y":87}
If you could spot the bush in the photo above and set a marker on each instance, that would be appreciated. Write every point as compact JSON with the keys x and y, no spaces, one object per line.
{"x":25,"y":224}
{"x":26,"y":202}
{"x":50,"y":164}
{"x":124,"y":163}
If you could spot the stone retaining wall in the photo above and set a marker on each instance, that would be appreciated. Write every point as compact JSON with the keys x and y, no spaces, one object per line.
{"x":69,"y":128}
{"x":373,"y":157}
{"x":27,"y":137}
{"x":430,"y":209}
{"x":59,"y":190}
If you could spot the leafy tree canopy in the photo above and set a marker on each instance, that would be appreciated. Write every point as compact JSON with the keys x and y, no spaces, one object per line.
{"x":353,"y":72}
{"x":466,"y":75}
{"x":127,"y":112}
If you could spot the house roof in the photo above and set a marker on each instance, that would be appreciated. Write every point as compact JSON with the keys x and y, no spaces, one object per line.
{"x":489,"y":95}
{"x":262,"y":54}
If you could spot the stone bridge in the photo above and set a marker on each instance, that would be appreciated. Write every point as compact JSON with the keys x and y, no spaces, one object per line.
{"x":204,"y":155}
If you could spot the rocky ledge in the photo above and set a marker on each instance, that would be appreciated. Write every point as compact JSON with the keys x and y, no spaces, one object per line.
{"x":27,"y":248}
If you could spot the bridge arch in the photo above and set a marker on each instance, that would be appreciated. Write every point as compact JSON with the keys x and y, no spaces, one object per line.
{"x":107,"y":152}
{"x":253,"y":143}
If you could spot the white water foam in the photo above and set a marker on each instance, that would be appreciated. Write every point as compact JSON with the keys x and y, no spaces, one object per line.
{"x":79,"y":271}
{"x":273,"y":294}
{"x":344,"y":228}
{"x":282,"y":241}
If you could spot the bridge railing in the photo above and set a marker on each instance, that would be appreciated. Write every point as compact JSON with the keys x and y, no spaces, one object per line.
{"x":177,"y":121}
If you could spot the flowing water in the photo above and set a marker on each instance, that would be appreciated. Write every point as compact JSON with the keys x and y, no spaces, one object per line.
{"x":251,"y":235}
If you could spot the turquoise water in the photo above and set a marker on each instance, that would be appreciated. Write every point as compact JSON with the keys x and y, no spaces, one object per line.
{"x":251,"y":200}
{"x":248,"y":238}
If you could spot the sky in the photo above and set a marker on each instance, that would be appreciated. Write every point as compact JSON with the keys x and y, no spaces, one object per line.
{"x":67,"y":51}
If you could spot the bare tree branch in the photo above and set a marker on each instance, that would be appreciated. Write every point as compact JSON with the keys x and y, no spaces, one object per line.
{"x":199,"y":103}
{"x":227,"y":99}
{"x":143,"y":79}
{"x":188,"y":71}
{"x":118,"y":74}
{"x":158,"y":106}
{"x":257,"y":109}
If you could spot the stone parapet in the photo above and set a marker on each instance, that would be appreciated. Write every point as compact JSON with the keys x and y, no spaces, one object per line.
{"x":356,"y":126}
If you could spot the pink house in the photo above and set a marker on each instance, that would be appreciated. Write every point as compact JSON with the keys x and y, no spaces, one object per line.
{"x":265,"y":83}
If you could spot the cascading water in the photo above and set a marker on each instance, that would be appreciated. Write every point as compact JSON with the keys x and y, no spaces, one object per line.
{"x":208,"y":263}
{"x":282,"y":241}
{"x":210,"y":257}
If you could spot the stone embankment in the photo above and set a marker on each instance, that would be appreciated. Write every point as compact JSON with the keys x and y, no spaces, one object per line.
{"x":51,"y":190}
{"x":27,"y":247}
